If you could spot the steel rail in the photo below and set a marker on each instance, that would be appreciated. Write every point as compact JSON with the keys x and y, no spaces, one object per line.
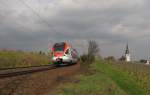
{"x":13,"y":72}
{"x":22,"y":67}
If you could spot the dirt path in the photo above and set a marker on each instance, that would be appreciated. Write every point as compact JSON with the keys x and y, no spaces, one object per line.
{"x":38,"y":83}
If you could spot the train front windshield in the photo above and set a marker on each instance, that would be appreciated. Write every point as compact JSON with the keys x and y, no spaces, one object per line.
{"x":59,"y":47}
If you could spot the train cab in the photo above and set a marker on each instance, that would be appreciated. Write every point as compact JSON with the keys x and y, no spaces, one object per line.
{"x":63,"y":53}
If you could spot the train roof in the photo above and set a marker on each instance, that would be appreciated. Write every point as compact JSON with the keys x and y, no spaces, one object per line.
{"x":62,"y":43}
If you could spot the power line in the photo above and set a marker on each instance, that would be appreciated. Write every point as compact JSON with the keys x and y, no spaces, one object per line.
{"x":37,"y":14}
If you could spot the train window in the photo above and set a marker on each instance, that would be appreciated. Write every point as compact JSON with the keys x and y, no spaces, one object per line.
{"x":67,"y":51}
{"x":59,"y":47}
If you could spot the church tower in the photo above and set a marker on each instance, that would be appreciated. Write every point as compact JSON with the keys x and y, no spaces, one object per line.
{"x":127,"y":54}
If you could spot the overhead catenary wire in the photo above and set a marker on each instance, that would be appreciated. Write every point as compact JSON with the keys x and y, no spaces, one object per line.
{"x":37,"y":14}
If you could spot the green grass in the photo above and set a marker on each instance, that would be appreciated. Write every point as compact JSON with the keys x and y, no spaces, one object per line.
{"x":125,"y":81}
{"x":108,"y":79}
{"x":140,"y":73}
{"x":10,"y":59}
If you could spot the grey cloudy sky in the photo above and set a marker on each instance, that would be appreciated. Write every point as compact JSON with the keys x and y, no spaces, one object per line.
{"x":112,"y":23}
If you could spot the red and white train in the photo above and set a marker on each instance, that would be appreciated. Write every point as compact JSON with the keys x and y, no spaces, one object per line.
{"x":63,"y":53}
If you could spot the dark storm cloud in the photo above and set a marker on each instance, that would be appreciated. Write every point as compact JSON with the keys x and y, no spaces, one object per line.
{"x":37,"y":24}
{"x":89,"y":24}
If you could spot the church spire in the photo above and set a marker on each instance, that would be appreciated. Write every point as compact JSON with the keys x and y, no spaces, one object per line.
{"x":127,"y":49}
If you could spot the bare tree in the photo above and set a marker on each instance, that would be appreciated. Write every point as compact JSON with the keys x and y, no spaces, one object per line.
{"x":93,"y":50}
{"x":110,"y":58}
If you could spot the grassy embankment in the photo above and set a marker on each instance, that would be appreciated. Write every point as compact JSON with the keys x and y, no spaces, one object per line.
{"x":10,"y":59}
{"x":110,"y":79}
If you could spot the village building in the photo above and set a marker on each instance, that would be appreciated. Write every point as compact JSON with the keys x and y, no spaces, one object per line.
{"x":147,"y":62}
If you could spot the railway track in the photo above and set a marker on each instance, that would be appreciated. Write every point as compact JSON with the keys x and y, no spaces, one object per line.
{"x":13,"y":72}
